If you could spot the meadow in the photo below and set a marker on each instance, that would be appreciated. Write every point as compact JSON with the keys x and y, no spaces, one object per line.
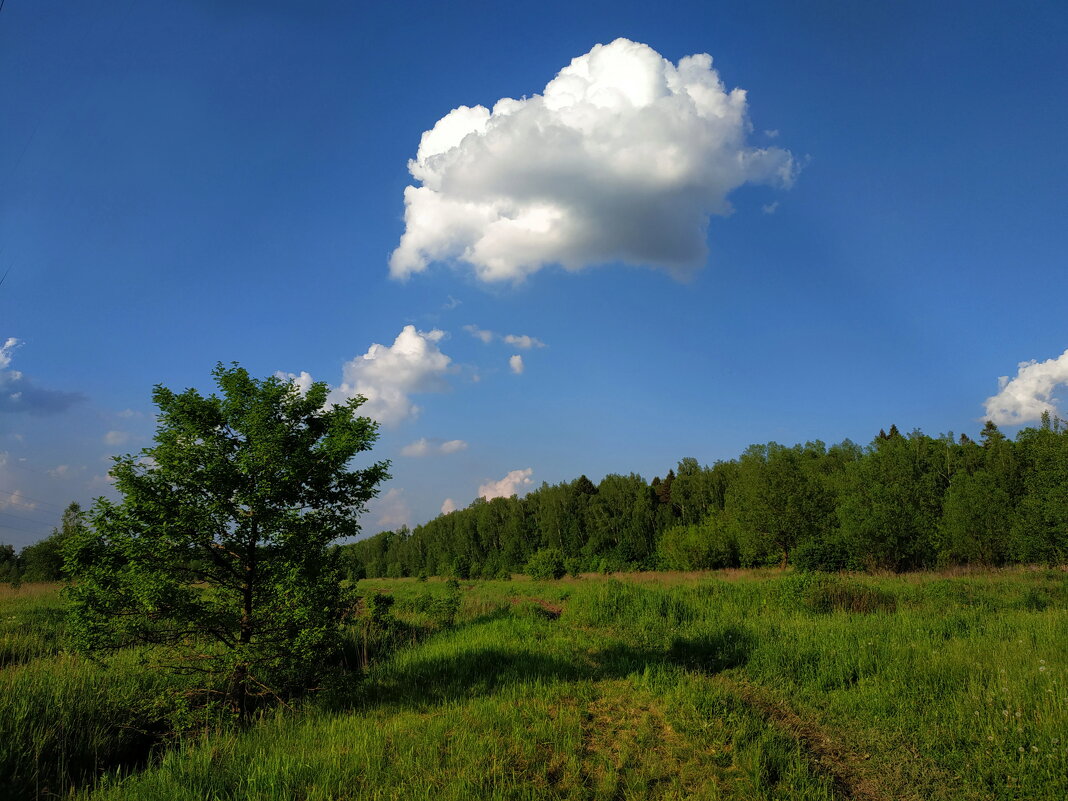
{"x":714,"y":685}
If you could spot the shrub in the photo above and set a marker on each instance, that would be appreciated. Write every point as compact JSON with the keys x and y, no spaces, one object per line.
{"x":818,"y":554}
{"x":378,"y":606}
{"x":823,"y":594}
{"x":546,"y":564}
{"x":709,"y":545}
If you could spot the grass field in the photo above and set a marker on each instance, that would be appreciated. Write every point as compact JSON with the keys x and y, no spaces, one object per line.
{"x":734,"y":685}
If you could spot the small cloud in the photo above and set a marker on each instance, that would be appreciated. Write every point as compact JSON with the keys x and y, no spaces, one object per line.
{"x":126,"y":414}
{"x":427,"y":447}
{"x":392,"y":509}
{"x":302,"y":380}
{"x":16,"y":500}
{"x":386,"y":376}
{"x":770,"y":208}
{"x":1024,"y":398}
{"x":451,"y":303}
{"x":59,"y":471}
{"x":116,"y":438}
{"x":102,"y":480}
{"x":508,"y":486}
{"x":480,"y":333}
{"x":771,"y":133}
{"x":516,"y":363}
{"x":20,"y":394}
{"x":523,"y":342}
{"x":7,"y":351}
{"x":448,"y":506}
{"x":417,"y":449}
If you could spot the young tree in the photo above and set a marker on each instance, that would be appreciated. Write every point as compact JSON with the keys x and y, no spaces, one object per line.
{"x":217,"y":557}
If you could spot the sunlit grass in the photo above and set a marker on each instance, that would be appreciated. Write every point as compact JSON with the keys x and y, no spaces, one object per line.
{"x":663,"y":686}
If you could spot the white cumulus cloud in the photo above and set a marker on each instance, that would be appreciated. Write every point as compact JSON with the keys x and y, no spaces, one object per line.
{"x":508,"y":486}
{"x":516,"y":363}
{"x":1025,"y":397}
{"x":623,"y":157}
{"x":387,"y":375}
{"x":448,"y":505}
{"x":427,"y":447}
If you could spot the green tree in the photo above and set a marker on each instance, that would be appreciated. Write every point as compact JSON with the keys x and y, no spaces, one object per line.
{"x":9,"y":566}
{"x":779,"y":500}
{"x":891,"y":503}
{"x":218,"y":556}
{"x":1040,"y":533}
{"x":43,"y":561}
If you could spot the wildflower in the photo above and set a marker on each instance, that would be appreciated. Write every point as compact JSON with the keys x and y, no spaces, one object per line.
{"x":1041,"y":668}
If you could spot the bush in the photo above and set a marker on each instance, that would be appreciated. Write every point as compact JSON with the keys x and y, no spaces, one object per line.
{"x":378,"y":606}
{"x":709,"y":545}
{"x":820,"y":555}
{"x":546,"y":564}
{"x":574,"y":566}
{"x":823,"y":594}
{"x":461,"y":568}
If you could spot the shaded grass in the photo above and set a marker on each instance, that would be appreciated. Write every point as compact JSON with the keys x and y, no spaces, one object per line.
{"x":505,"y":709}
{"x":64,"y":719}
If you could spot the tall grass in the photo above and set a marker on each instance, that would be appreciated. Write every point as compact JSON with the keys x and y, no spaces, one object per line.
{"x":31,"y":622}
{"x":723,"y":686}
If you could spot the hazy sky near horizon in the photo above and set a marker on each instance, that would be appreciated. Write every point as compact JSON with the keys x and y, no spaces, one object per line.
{"x":542,"y":239}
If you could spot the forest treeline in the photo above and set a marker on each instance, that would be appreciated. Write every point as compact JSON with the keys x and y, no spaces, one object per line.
{"x":904,"y":502}
{"x":42,"y":561}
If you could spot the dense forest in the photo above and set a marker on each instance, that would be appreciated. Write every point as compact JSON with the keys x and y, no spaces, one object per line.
{"x":904,"y":502}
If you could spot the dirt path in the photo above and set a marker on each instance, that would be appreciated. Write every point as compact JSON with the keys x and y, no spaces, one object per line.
{"x":831,"y":758}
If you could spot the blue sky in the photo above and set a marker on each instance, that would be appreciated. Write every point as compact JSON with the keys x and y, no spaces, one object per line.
{"x":187,"y":183}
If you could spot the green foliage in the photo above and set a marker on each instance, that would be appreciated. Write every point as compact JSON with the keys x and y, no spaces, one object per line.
{"x":43,"y":560}
{"x":378,"y":606}
{"x":546,"y":564}
{"x":823,"y":594}
{"x":709,"y":545}
{"x":902,"y":503}
{"x":217,"y":559}
{"x":9,"y":566}
{"x":822,"y":554}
